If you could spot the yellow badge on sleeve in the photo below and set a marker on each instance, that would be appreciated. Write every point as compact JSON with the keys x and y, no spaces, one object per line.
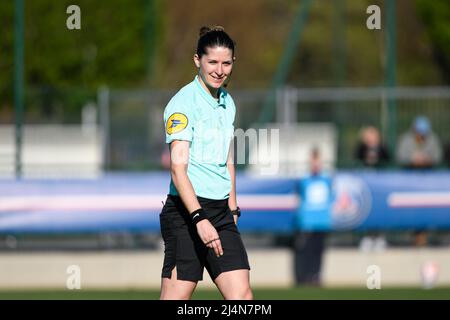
{"x":176,"y":123}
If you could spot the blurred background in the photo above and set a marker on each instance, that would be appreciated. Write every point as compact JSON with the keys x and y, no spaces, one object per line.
{"x":83,"y":163}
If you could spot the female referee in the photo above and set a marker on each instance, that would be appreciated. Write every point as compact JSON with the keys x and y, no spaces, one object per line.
{"x":198,"y":220}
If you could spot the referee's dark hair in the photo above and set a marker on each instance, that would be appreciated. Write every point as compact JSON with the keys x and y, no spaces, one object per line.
{"x":211,"y":37}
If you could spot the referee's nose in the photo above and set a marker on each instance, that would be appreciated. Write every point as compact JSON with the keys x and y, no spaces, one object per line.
{"x":219,"y":70}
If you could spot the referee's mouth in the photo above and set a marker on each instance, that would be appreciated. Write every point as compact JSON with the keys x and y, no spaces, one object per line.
{"x":216,"y":80}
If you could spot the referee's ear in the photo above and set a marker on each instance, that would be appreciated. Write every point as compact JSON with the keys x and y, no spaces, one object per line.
{"x":197,"y":60}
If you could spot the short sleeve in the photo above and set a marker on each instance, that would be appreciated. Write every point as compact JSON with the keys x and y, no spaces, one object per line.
{"x":178,"y":122}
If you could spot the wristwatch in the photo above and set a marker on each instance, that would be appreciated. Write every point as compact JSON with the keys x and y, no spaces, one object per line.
{"x":236,"y":212}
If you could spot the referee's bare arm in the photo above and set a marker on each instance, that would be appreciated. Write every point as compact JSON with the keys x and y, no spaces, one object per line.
{"x":179,"y":159}
{"x":232,"y":201}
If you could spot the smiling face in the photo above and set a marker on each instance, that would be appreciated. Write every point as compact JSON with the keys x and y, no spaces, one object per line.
{"x":214,"y":67}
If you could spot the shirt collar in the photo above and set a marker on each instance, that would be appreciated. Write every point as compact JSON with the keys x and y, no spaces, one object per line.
{"x":213,"y":102}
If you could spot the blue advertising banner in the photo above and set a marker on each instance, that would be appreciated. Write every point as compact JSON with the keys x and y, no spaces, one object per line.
{"x":394,"y":200}
{"x":361,"y":200}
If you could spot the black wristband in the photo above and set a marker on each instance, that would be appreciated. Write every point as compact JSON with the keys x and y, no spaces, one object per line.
{"x":236,"y":212}
{"x":198,"y":215}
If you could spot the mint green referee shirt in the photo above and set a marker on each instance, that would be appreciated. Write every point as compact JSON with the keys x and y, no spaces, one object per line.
{"x":194,"y":115}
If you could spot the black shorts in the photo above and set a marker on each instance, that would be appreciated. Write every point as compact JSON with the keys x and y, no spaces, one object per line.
{"x":185,"y":250}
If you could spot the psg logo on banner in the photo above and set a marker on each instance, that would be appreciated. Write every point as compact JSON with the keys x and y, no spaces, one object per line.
{"x":352,"y":204}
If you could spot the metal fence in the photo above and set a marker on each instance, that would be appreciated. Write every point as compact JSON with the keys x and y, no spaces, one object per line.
{"x":131,"y":121}
{"x":135,"y":133}
{"x":350,"y":109}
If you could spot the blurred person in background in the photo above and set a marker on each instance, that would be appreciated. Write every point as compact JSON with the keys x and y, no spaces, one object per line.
{"x":199,"y":217}
{"x":370,"y":151}
{"x":312,"y":222}
{"x":419,"y":148}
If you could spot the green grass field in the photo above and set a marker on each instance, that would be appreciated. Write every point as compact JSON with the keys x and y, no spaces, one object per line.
{"x":260,"y":293}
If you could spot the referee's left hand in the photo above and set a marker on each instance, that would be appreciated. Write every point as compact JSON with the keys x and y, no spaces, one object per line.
{"x":209,"y":236}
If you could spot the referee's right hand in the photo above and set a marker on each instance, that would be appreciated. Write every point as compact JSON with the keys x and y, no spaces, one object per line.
{"x":208,"y":234}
